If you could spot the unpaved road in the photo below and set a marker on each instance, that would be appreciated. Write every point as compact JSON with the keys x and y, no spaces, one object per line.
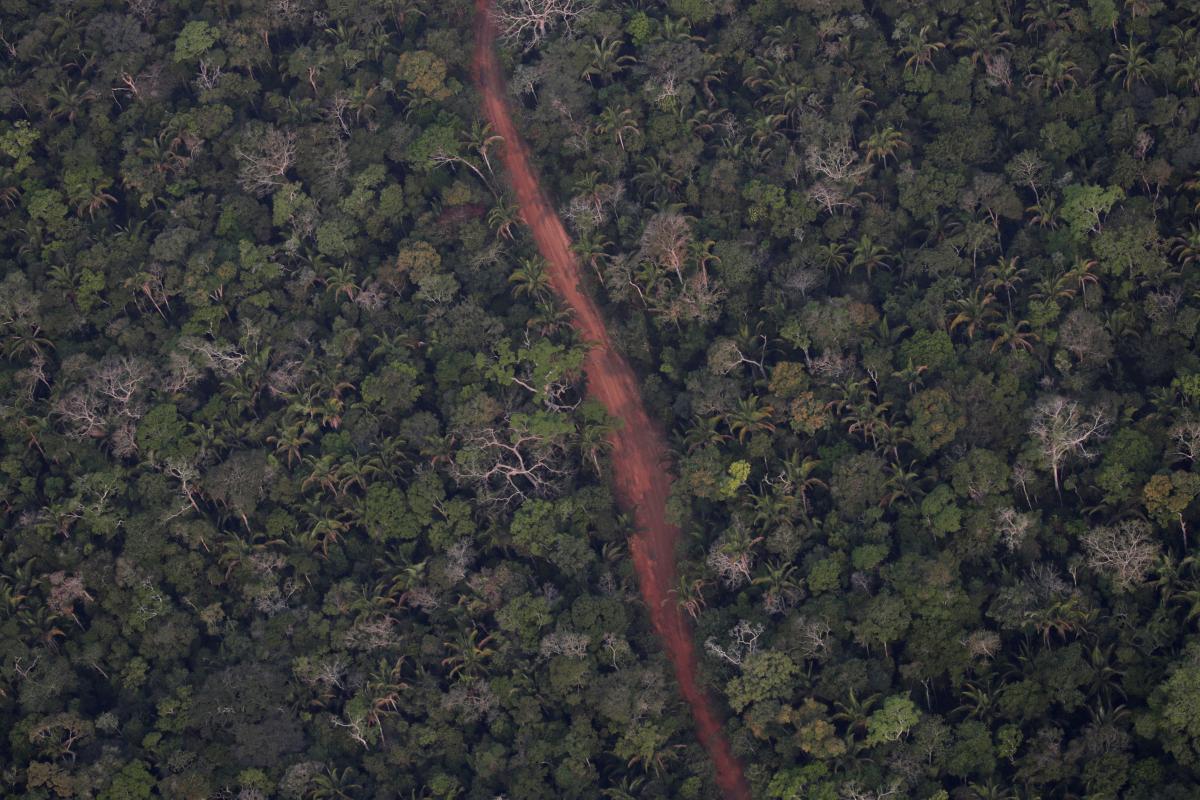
{"x":641,"y":474}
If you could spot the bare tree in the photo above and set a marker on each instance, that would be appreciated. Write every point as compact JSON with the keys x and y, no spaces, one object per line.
{"x":665,"y":242}
{"x":1125,"y":552}
{"x":509,"y":463}
{"x":1186,"y":436}
{"x":531,"y":21}
{"x":835,"y":160}
{"x":1013,"y":526}
{"x":724,"y":356}
{"x":564,"y":643}
{"x":1064,"y":429}
{"x":743,"y":641}
{"x":266,"y":156}
{"x":812,"y":638}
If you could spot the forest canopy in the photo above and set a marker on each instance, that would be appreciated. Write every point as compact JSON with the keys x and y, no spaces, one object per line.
{"x":304,"y":495}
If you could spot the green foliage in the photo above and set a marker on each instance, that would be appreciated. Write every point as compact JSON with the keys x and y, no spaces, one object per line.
{"x":766,"y":675}
{"x":891,"y":722}
{"x":1085,"y":207}
{"x":132,"y":782}
{"x":274,"y":338}
{"x":194,"y":40}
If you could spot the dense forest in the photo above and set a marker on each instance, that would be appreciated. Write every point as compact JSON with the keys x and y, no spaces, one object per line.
{"x":304,"y":497}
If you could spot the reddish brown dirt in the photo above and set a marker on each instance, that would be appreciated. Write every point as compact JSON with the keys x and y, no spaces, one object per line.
{"x":641,"y":475}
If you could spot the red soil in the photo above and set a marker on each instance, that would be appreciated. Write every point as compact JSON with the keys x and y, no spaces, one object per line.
{"x":641,"y":475}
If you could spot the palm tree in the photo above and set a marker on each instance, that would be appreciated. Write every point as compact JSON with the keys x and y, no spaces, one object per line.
{"x":69,"y":100}
{"x":982,"y":40}
{"x":1046,"y":15}
{"x":619,"y":123}
{"x":974,"y":312}
{"x":748,"y":417}
{"x":855,"y":712}
{"x":468,"y":654}
{"x":1044,"y":213}
{"x":503,"y":217}
{"x":902,"y":483}
{"x":798,"y":477}
{"x":322,"y":473}
{"x":531,"y":279}
{"x":1052,"y":70}
{"x":869,"y":255}
{"x":920,"y":49}
{"x":1006,"y":275}
{"x":883,"y":144}
{"x":911,"y":375}
{"x":1188,"y":75}
{"x":979,"y":701}
{"x":780,"y":579}
{"x":1016,"y":334}
{"x":657,"y":177}
{"x":605,"y":60}
{"x":335,"y":785}
{"x":833,"y":256}
{"x":689,"y":595}
{"x":703,"y":432}
{"x":1130,"y":64}
{"x":342,"y":281}
{"x":1186,"y":247}
{"x":595,"y":435}
{"x":1082,"y":275}
{"x":591,"y":247}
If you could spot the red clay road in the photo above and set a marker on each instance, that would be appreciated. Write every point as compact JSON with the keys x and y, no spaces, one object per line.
{"x":641,"y":475}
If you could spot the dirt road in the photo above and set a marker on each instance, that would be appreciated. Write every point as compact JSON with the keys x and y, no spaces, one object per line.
{"x":641,"y":474}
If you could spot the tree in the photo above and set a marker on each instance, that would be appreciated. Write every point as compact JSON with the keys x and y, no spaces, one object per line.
{"x":1064,"y":429}
{"x":1125,"y":552}
{"x":529,"y":22}
{"x":266,"y":155}
{"x":765,"y":675}
{"x":893,"y":721}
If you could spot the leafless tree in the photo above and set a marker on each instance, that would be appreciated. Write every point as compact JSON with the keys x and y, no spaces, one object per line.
{"x":1186,"y":435}
{"x":836,"y":160}
{"x":999,"y":71}
{"x":724,"y":356}
{"x":812,"y":637}
{"x":208,"y":77}
{"x":508,"y":463}
{"x":1065,"y":429}
{"x":223,"y":359}
{"x":528,"y":22}
{"x":265,"y":158}
{"x":82,"y":412}
{"x":145,"y":10}
{"x":188,"y":476}
{"x":564,"y":643}
{"x":1029,"y":169}
{"x":1013,"y":526}
{"x":473,"y":697}
{"x":1125,"y":552}
{"x":831,"y":196}
{"x":982,"y":644}
{"x":65,"y":591}
{"x":328,"y":672}
{"x":459,"y":558}
{"x":742,"y":642}
{"x":121,"y":380}
{"x":1082,"y":334}
{"x":665,"y":242}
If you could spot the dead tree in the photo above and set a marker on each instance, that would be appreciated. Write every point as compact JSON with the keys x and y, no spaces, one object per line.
{"x":1064,"y":429}
{"x":531,"y":21}
{"x":1125,"y":552}
{"x":265,"y":160}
